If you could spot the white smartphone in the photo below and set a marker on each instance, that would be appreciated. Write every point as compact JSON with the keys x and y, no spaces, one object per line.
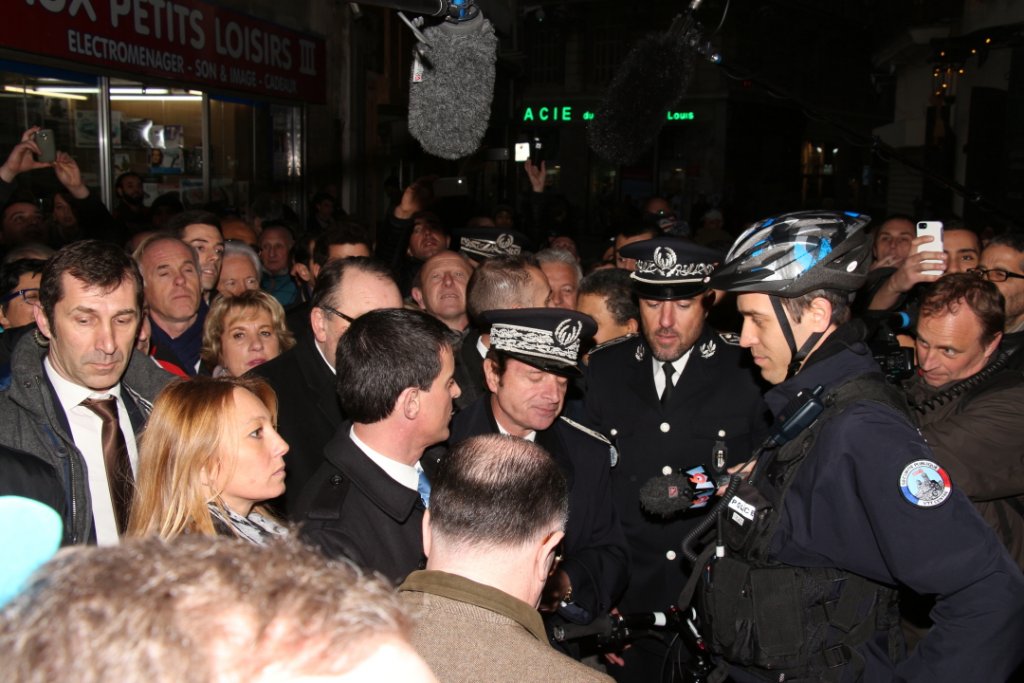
{"x":931,"y":229}
{"x":522,"y":151}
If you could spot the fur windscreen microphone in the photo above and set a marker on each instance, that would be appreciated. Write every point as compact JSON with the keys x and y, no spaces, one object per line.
{"x":651,"y":81}
{"x":667,"y":495}
{"x":452,"y":87}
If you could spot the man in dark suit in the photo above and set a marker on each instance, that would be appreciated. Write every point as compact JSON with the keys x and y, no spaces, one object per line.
{"x":396,"y":381}
{"x":533,"y":352}
{"x":663,"y":425}
{"x":304,"y":377}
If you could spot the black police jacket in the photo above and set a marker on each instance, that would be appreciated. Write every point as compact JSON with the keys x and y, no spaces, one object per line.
{"x":715,"y":393}
{"x":851,"y":506}
{"x":596,"y":557}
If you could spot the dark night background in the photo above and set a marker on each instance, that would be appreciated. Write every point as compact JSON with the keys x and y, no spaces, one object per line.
{"x":815,"y":104}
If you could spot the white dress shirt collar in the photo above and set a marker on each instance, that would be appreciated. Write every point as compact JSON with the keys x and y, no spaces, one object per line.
{"x":406,"y":475}
{"x":71,"y":394}
{"x":659,"y":375}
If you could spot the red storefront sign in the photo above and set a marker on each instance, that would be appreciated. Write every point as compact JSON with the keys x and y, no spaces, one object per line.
{"x":188,"y":41}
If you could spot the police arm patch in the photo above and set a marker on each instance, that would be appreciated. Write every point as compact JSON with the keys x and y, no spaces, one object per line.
{"x":924,"y":484}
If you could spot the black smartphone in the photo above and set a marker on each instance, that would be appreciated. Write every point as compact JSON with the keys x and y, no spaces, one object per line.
{"x":47,"y":146}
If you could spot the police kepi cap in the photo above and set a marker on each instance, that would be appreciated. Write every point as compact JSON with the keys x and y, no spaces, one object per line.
{"x":546,"y":338}
{"x":670,"y":267}
{"x":481,"y":244}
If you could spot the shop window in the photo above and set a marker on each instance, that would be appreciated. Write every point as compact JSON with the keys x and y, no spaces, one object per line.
{"x":255,"y":151}
{"x":156,"y":131}
{"x":233,"y":150}
{"x":286,"y":135}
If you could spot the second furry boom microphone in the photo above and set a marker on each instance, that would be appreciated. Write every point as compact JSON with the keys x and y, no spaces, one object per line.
{"x":652,"y":79}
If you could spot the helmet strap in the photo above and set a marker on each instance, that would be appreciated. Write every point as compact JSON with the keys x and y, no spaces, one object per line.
{"x":796,"y":354}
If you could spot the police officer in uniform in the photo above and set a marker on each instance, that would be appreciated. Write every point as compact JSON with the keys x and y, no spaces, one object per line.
{"x":852,"y":503}
{"x":532,"y":354}
{"x":710,"y":402}
{"x":504,"y":277}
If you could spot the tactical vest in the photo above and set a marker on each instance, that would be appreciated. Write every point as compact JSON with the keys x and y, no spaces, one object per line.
{"x":786,"y":623}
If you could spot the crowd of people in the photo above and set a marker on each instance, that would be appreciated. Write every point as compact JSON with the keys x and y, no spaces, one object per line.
{"x":428,"y":450}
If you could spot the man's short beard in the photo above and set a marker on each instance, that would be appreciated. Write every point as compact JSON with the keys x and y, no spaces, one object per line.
{"x":654,"y":352}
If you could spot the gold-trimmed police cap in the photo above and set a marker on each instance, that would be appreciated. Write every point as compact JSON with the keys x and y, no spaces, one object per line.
{"x":670,"y":268}
{"x":481,"y":244}
{"x":546,"y":338}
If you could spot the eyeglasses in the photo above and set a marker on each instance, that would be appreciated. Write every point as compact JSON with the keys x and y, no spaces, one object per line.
{"x":30,"y":295}
{"x":334,"y":311}
{"x":994,"y":274}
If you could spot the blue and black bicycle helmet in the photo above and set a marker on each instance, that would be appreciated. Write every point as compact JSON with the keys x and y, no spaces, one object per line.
{"x":796,"y":253}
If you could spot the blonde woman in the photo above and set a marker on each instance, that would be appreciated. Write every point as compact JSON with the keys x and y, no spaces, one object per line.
{"x":242,"y":332}
{"x":209,"y":456}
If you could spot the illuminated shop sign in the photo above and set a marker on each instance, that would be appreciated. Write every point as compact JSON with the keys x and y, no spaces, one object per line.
{"x":188,"y":41}
{"x":568,"y":113}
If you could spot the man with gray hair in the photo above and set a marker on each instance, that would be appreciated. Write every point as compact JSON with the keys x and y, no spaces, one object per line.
{"x":498,"y":512}
{"x":205,"y":610}
{"x":173,"y":292}
{"x":240,"y":270}
{"x":563,"y":273}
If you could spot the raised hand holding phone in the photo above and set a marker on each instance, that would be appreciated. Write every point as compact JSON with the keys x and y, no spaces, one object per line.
{"x":931,"y":229}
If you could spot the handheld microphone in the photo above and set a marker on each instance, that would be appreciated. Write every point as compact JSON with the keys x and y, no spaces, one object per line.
{"x":653,"y":77}
{"x":669,"y":494}
{"x":452,"y":86}
{"x":666,"y":495}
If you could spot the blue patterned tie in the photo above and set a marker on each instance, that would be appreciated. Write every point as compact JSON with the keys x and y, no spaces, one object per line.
{"x":423,"y":486}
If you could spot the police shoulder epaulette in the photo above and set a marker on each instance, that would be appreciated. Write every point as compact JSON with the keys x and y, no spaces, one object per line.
{"x":730,"y":338}
{"x":613,"y":342}
{"x":586,"y":430}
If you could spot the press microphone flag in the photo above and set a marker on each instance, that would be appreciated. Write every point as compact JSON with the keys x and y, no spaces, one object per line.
{"x":453,"y":86}
{"x":669,"y":494}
